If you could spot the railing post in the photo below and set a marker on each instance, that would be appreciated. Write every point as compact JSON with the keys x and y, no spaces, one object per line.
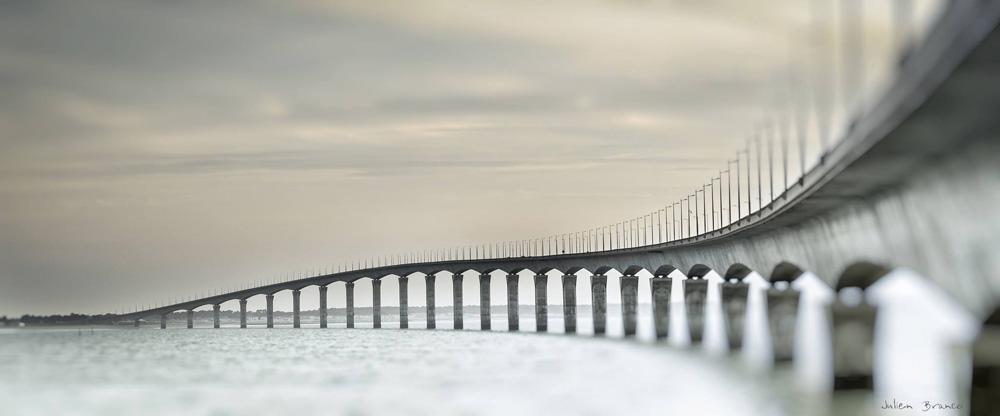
{"x":513,"y":309}
{"x":599,"y":299}
{"x":376,"y":303}
{"x":270,"y":311}
{"x":216,"y":309}
{"x":243,"y":313}
{"x":190,"y":316}
{"x":541,"y":302}
{"x":296,"y":322}
{"x":484,"y":301}
{"x":660,"y":288}
{"x":429,"y":290}
{"x":456,"y":288}
{"x":695,"y":295}
{"x":630,"y":301}
{"x":322,"y":306}
{"x":349,"y":309}
{"x":404,"y":302}
{"x":569,"y":302}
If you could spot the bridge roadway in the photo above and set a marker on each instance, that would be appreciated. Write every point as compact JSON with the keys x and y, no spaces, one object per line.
{"x":913,"y":184}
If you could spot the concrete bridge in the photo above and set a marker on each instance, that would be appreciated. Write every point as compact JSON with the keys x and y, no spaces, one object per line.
{"x":913,"y":183}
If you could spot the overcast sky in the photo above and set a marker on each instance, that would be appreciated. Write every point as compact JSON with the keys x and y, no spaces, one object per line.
{"x":156,"y":149}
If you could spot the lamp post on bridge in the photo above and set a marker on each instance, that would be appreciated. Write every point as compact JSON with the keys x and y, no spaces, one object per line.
{"x":673,"y":224}
{"x":710,"y":185}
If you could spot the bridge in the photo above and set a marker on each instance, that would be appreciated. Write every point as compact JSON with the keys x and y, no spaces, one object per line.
{"x":911,"y":183}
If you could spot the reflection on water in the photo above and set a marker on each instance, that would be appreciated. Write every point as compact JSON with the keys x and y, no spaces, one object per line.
{"x":357,"y":372}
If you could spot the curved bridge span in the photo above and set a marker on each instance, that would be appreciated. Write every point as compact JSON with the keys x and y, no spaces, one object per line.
{"x":919,"y":161}
{"x":913,"y":184}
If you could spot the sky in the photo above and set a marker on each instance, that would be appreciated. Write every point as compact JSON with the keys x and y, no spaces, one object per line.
{"x":151,"y":150}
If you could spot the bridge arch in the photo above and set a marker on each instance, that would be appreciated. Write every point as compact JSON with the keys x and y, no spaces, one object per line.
{"x":698,"y":271}
{"x":633,"y":270}
{"x":861,"y":275}
{"x":664,"y":270}
{"x":738,"y":271}
{"x":785,"y":272}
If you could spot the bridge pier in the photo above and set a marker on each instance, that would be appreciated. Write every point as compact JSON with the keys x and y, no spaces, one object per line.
{"x":513,"y":309}
{"x":270,"y":311}
{"x":135,"y":323}
{"x":215,"y":315}
{"x":349,"y":295}
{"x":456,"y":288}
{"x":569,"y":302}
{"x":296,"y":321}
{"x":541,"y":302}
{"x":599,"y":299}
{"x":322,"y":306}
{"x":163,"y":321}
{"x":190,"y":316}
{"x":429,"y":291}
{"x":853,"y":324}
{"x":985,"y":394}
{"x":403,"y":302}
{"x":695,"y":294}
{"x":782,"y":311}
{"x":630,"y":301}
{"x":661,"y":287}
{"x":484,"y":301}
{"x":243,"y":313}
{"x":734,"y":295}
{"x":376,"y":303}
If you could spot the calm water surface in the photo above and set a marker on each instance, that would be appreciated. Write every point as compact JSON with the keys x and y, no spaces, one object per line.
{"x":358,"y":372}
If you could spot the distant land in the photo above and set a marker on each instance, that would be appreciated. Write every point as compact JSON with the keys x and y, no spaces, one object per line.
{"x":389,"y":314}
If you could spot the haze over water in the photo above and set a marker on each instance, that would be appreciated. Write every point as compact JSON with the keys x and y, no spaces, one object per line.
{"x":356,"y":372}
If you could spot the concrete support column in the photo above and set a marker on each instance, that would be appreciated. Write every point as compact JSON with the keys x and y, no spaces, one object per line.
{"x":782,"y":311}
{"x":403,"y":302}
{"x":456,"y":288}
{"x":350,"y":304}
{"x":216,"y":309}
{"x":296,"y":321}
{"x":190,"y":314}
{"x":270,"y":311}
{"x":985,"y":395}
{"x":541,"y":302}
{"x":513,"y":312}
{"x":135,"y":323}
{"x":630,"y":302}
{"x":163,"y":321}
{"x":599,"y":299}
{"x":243,"y":313}
{"x":569,"y":302}
{"x":734,"y":295}
{"x":484,"y":301}
{"x":322,"y":306}
{"x":695,"y":295}
{"x":660,"y":288}
{"x":376,"y":303}
{"x":853,"y":322}
{"x":429,"y":289}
